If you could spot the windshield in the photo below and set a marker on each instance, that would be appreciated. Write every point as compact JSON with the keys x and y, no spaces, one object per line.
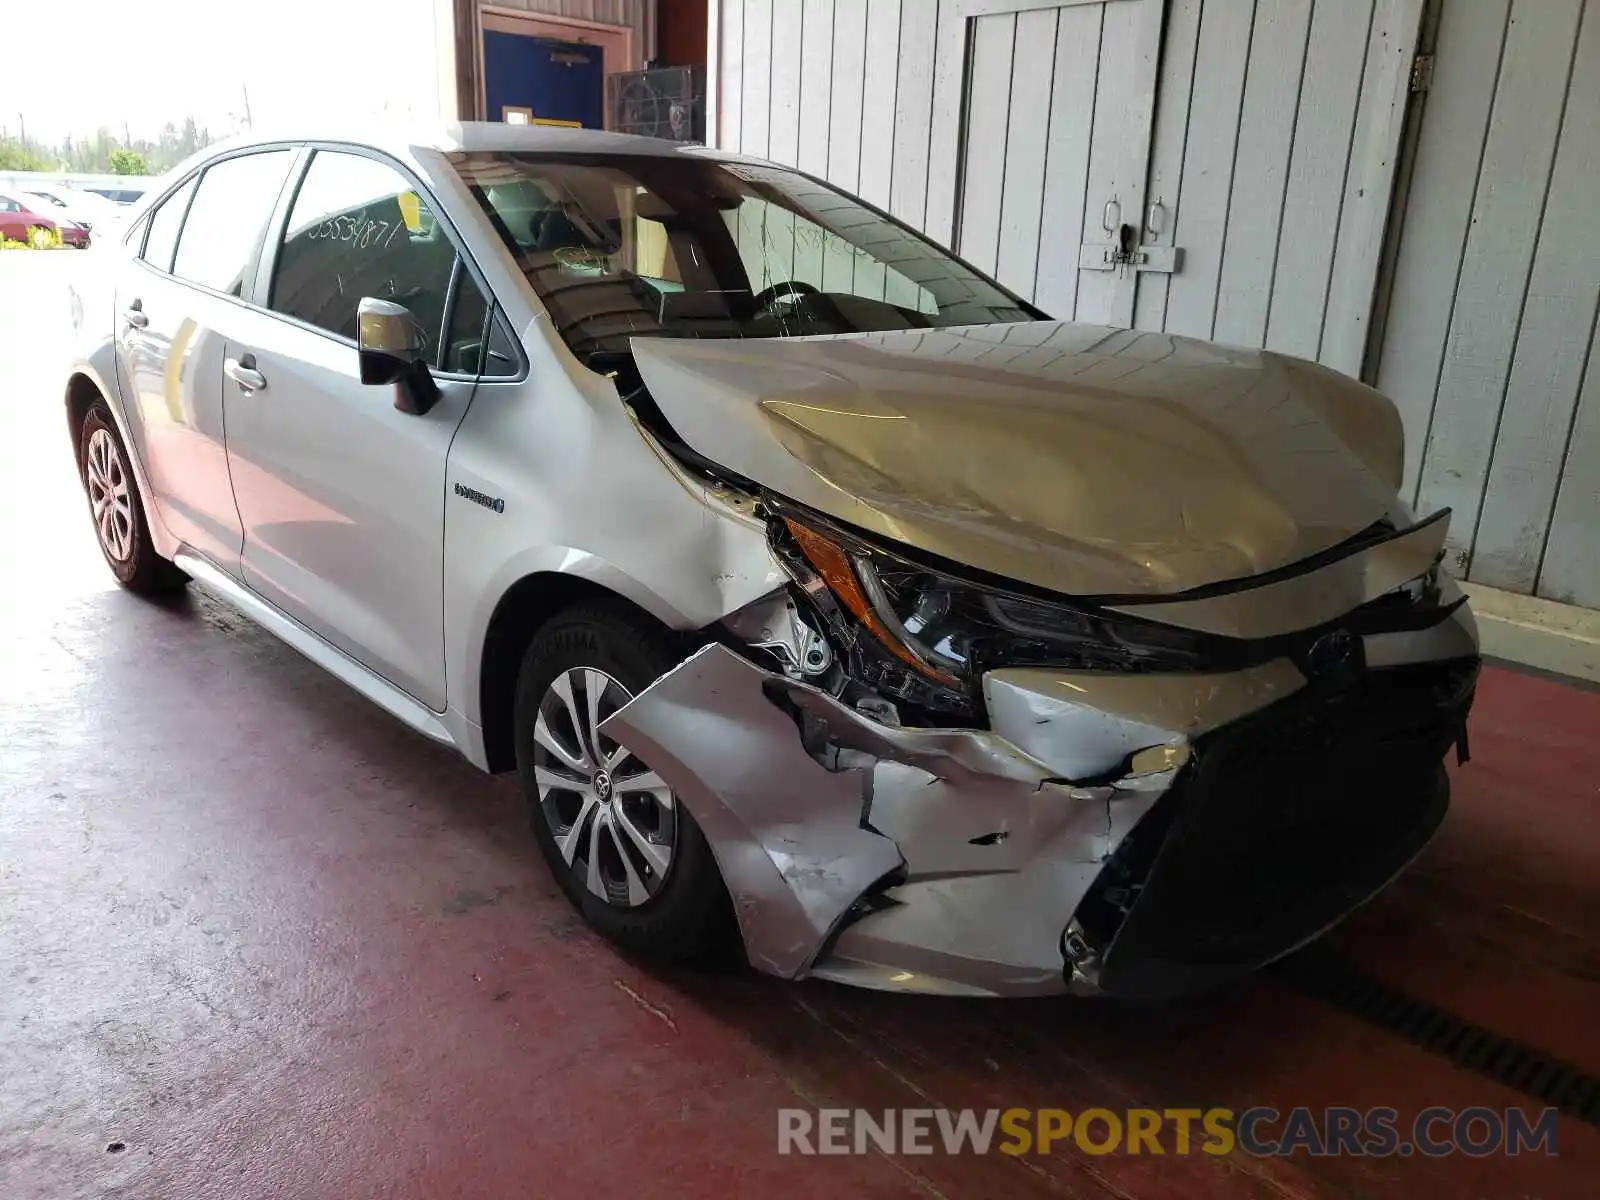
{"x":622,"y":246}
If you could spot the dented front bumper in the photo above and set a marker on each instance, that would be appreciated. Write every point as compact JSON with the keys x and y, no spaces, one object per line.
{"x":1133,"y":834}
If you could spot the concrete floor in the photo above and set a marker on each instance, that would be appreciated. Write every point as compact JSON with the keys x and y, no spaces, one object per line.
{"x":272,"y":944}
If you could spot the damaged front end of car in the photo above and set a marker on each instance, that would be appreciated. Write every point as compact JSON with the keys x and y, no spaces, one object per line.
{"x":916,"y":776}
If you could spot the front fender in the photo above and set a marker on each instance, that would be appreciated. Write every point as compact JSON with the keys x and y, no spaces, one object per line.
{"x":566,"y":561}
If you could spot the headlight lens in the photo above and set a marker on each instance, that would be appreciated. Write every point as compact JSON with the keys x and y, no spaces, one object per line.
{"x":963,"y":628}
{"x":927,"y":636}
{"x":949,"y":630}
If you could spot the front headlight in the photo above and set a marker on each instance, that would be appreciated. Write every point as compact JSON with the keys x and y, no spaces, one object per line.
{"x":937,"y":633}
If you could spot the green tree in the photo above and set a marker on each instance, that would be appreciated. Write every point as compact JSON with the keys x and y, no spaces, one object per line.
{"x":14,"y":156}
{"x":128,"y":162}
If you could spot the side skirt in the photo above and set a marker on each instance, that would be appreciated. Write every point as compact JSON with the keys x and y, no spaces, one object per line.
{"x":333,"y":660}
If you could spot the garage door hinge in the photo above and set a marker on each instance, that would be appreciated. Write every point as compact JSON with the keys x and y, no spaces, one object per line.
{"x":1422,"y":73}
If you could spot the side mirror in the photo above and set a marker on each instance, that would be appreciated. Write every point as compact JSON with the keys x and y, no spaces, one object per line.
{"x":390,"y":345}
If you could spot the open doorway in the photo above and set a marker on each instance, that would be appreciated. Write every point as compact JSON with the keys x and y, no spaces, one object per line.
{"x":549,"y":70}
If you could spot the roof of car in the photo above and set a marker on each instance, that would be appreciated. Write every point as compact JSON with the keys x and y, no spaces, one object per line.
{"x":493,"y":135}
{"x":468,"y":136}
{"x":473,"y":136}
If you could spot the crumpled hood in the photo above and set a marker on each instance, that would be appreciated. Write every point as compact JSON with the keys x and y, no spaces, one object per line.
{"x":1076,"y":458}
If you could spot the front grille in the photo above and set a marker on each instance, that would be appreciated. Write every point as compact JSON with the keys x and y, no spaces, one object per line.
{"x":1281,"y":824}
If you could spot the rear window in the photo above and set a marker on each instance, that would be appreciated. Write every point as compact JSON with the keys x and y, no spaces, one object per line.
{"x":165,"y":222}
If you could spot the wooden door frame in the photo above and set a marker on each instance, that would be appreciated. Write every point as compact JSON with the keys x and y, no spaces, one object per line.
{"x":1405,"y":163}
{"x":714,"y":68}
{"x":1371,"y":175}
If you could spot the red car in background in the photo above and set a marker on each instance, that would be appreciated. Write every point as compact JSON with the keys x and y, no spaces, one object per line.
{"x":21,"y":223}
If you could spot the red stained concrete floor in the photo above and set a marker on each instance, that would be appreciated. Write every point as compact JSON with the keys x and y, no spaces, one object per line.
{"x":276,"y":945}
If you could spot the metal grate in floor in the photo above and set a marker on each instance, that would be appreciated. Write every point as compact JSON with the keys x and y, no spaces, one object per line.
{"x":1439,"y":1031}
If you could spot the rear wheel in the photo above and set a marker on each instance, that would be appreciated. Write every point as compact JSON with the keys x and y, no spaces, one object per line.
{"x":40,"y":238}
{"x":621,"y":846}
{"x":114,"y":504}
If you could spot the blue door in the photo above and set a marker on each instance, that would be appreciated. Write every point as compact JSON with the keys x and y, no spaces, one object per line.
{"x":556,"y":81}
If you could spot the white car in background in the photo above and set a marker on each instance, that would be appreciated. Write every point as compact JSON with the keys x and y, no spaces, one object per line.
{"x":823,"y":592}
{"x":83,"y":209}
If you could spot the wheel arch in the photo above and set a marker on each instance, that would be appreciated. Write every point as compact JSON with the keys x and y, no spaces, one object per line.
{"x":85,"y":385}
{"x":522,"y":610}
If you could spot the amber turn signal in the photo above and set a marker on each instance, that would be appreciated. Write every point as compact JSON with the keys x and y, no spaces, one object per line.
{"x":832,"y":564}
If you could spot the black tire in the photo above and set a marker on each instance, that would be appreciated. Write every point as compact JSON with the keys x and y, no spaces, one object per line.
{"x":689,"y":916}
{"x":142,"y":569}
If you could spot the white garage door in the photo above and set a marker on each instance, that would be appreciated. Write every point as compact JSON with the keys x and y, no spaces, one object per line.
{"x":1267,"y":167}
{"x":1257,"y":137}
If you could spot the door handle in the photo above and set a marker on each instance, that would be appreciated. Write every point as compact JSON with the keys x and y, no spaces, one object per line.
{"x":1112,"y":216}
{"x":243,"y":372}
{"x":134,"y":314}
{"x":1155,"y":220}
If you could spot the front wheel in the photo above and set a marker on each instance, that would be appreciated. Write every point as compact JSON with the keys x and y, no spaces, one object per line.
{"x":40,"y":238}
{"x":622,"y":847}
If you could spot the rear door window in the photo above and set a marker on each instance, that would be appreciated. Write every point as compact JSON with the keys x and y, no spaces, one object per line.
{"x":358,"y":228}
{"x":223,"y":231}
{"x":164,"y":225}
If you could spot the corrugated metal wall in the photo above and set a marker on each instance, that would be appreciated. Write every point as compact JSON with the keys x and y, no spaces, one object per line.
{"x":1270,"y":135}
{"x":1489,"y":347}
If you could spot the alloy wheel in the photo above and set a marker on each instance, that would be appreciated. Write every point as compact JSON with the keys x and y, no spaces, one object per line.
{"x":107,"y":482}
{"x":613,"y":819}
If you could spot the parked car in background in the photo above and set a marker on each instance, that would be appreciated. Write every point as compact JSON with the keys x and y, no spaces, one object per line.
{"x":118,"y":195}
{"x":81,"y":208}
{"x":24,"y":219}
{"x":823,"y":592}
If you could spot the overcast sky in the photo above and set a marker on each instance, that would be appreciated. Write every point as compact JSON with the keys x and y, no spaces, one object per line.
{"x":146,"y":62}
